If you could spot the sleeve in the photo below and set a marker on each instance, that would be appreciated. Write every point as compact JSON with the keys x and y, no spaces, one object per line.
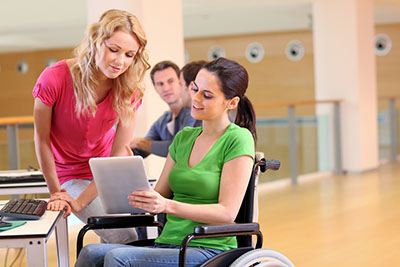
{"x":47,"y":87}
{"x":173,"y":147}
{"x":153,"y":132}
{"x":241,"y":143}
{"x":160,"y":148}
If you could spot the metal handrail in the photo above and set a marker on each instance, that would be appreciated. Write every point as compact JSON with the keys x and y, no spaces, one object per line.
{"x":295,"y":103}
{"x":16,"y":120}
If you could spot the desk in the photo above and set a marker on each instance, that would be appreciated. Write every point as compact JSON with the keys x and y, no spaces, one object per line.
{"x":33,"y":237}
{"x":21,"y":188}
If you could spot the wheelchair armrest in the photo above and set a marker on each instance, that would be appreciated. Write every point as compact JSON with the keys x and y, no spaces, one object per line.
{"x":112,"y":222}
{"x":222,"y":230}
{"x":107,"y":222}
{"x":226,"y":228}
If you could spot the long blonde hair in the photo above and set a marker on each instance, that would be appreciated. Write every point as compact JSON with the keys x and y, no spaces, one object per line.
{"x":126,"y":85}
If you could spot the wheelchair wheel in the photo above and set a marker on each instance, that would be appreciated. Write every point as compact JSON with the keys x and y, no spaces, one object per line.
{"x":262,"y":257}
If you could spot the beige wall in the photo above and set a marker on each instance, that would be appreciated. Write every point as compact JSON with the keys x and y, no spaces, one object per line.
{"x":273,"y":79}
{"x":16,"y":89}
{"x":387,"y":67}
{"x":276,"y":78}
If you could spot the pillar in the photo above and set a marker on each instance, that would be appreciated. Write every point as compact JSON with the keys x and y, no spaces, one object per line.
{"x":344,"y":62}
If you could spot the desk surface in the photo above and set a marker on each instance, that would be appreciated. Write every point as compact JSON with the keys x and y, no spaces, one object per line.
{"x":32,"y":228}
{"x":33,"y":237}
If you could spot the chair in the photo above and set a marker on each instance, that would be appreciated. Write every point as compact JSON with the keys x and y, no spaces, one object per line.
{"x":244,"y":228}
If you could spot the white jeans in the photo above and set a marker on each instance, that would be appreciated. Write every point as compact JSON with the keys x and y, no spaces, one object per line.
{"x":121,"y":236}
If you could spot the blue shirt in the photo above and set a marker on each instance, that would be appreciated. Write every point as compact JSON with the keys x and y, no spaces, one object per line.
{"x":160,"y":135}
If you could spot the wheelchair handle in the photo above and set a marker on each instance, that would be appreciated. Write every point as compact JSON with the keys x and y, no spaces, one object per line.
{"x":268,"y":164}
{"x":272,"y":164}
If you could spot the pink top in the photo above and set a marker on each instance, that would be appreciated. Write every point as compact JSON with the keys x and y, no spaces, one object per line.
{"x":74,"y":140}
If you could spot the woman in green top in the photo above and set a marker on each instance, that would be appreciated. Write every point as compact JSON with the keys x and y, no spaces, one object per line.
{"x":204,"y":179}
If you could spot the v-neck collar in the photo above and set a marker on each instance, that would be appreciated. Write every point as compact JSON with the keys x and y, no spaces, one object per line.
{"x":200,"y":130}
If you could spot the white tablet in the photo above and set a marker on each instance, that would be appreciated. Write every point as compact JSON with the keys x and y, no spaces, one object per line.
{"x":116,"y":178}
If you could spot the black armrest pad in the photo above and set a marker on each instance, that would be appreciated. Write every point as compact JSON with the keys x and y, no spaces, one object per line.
{"x":122,"y":221}
{"x":226,"y":228}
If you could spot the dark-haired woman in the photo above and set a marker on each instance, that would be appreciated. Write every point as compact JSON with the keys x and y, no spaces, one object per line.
{"x":204,"y":178}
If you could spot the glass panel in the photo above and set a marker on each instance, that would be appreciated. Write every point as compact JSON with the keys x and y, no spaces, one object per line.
{"x":307,"y":145}
{"x":398,"y":130}
{"x":384,"y":133}
{"x":4,"y":165}
{"x":273,"y":140}
{"x":314,"y":144}
{"x":27,"y":156}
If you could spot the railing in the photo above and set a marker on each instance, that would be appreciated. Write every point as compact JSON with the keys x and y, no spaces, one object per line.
{"x":293,"y":160}
{"x":12,"y":123}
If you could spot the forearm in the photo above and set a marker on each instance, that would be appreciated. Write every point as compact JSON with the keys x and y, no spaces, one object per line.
{"x":204,"y":213}
{"x":86,"y":196}
{"x":46,"y":161}
{"x":122,"y":138}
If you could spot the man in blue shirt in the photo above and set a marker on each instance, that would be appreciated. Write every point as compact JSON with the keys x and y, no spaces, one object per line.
{"x":165,"y":78}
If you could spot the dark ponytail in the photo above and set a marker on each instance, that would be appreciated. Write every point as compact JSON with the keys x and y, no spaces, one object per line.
{"x":234,"y":81}
{"x":246,"y":116}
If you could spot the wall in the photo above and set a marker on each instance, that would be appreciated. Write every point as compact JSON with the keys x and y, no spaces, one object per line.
{"x":276,"y":78}
{"x":273,"y":79}
{"x":387,"y":67}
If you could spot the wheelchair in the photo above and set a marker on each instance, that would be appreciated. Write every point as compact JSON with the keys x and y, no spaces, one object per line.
{"x":246,"y":254}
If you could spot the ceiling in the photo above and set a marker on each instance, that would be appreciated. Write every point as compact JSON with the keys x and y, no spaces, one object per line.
{"x":44,"y":24}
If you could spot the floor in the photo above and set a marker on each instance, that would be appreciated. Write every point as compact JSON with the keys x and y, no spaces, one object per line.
{"x":336,"y":220}
{"x":347,"y":220}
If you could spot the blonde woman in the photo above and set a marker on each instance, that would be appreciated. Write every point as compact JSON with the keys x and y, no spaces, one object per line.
{"x":77,"y":103}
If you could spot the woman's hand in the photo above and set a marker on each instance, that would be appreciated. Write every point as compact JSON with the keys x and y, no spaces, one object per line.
{"x":63,"y":195}
{"x":57,"y":205}
{"x":150,"y":201}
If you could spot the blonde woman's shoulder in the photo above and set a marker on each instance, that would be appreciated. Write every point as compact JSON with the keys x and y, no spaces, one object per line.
{"x":71,"y":62}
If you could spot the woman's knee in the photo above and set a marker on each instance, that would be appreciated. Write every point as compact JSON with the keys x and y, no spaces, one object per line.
{"x":118,"y":257}
{"x":90,"y":255}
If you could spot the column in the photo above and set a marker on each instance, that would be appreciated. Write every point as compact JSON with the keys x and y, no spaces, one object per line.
{"x":344,"y":60}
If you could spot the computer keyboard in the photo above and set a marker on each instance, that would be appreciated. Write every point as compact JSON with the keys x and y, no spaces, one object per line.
{"x":25,"y":209}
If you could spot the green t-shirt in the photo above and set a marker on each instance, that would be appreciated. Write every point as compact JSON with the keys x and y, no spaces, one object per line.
{"x":200,"y":184}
